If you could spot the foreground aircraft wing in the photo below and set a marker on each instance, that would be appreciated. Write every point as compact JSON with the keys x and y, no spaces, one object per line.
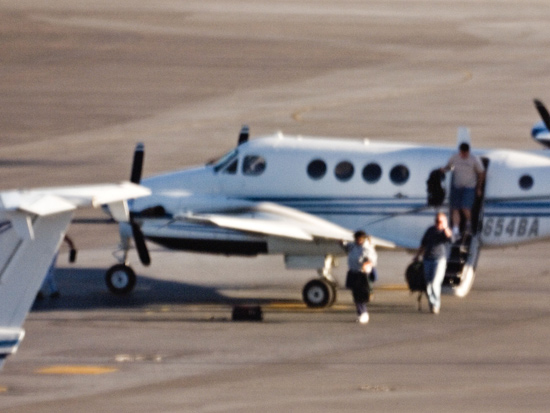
{"x":33,"y":224}
{"x":280,"y":221}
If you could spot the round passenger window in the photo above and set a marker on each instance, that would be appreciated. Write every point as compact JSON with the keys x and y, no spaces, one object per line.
{"x":372,"y":172}
{"x":526,"y":182}
{"x":399,"y":174}
{"x":344,"y":171}
{"x":317,"y":169}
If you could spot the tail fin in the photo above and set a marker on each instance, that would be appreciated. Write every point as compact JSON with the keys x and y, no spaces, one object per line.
{"x":32,"y":226}
{"x":24,"y":264}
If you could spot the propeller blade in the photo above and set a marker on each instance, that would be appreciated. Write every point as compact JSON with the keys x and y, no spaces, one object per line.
{"x":244,"y":134}
{"x":137,"y":164}
{"x":545,"y":116}
{"x":141,"y":247}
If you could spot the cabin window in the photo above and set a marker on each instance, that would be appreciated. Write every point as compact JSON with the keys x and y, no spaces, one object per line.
{"x":372,"y":173}
{"x":344,"y":171}
{"x":253,"y":165}
{"x":526,"y":182}
{"x":317,"y":169}
{"x":399,"y":174}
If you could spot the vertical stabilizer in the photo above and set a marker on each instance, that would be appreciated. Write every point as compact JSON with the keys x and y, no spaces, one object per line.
{"x":24,"y":262}
{"x":33,"y":224}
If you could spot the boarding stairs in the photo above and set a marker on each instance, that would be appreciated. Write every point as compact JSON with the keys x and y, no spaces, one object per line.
{"x":464,"y":252}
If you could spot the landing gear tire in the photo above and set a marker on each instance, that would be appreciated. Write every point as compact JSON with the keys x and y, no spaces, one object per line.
{"x":319,"y":293}
{"x":120,"y":279}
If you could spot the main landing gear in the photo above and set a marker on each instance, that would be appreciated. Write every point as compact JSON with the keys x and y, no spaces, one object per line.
{"x":321,"y":292}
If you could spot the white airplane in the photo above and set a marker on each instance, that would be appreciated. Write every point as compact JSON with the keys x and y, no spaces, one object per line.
{"x":299,"y":197}
{"x":33,"y":224}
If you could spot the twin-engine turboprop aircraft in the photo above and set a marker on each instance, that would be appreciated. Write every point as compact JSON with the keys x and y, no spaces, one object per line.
{"x":33,"y":224}
{"x":299,"y":197}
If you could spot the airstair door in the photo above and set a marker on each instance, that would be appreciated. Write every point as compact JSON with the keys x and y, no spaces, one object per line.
{"x":464,"y":253}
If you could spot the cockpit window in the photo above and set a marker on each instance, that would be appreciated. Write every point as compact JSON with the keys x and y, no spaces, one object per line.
{"x":232,"y":168}
{"x":227,"y":159}
{"x":253,"y":165}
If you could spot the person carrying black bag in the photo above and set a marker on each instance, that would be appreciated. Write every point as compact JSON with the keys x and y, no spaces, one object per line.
{"x":433,"y":247}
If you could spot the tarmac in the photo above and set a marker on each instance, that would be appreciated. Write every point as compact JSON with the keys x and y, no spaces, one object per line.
{"x":82,"y":82}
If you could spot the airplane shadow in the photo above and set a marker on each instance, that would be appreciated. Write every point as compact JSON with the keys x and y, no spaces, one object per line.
{"x":85,"y":289}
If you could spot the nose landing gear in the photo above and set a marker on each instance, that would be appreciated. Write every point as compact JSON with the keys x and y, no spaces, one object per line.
{"x":120,"y":279}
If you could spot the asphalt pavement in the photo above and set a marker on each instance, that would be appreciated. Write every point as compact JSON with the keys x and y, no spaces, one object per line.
{"x":82,"y":82}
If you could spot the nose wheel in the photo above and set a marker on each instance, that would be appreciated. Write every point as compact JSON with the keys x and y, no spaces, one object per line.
{"x":319,"y":293}
{"x":120,"y":279}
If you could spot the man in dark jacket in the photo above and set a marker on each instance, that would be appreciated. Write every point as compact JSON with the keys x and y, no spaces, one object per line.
{"x":434,"y":248}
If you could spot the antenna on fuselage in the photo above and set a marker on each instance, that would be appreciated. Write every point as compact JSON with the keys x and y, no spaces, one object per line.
{"x":463,"y":135}
{"x":244,"y":134}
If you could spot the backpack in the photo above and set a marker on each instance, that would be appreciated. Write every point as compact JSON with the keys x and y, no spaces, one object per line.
{"x":414,"y":275}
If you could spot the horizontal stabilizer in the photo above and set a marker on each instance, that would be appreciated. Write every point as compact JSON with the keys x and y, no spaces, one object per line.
{"x":47,"y":201}
{"x":46,"y":205}
{"x":109,"y":194}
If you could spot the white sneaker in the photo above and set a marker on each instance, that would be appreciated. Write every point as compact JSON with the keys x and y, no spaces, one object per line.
{"x":364,"y":318}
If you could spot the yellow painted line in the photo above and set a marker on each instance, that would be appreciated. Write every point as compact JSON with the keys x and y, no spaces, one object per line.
{"x":299,"y":306}
{"x":392,"y":287}
{"x":286,"y":306}
{"x":3,"y":389}
{"x":77,"y":370}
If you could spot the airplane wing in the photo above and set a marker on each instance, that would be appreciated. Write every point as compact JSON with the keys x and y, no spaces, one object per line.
{"x":280,"y":221}
{"x":33,"y":224}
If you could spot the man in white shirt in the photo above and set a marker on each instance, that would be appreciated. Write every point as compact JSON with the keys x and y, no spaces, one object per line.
{"x":362,"y":259}
{"x":468,"y":176}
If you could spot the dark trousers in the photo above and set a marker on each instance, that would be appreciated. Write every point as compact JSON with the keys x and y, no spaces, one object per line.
{"x":358,"y":283}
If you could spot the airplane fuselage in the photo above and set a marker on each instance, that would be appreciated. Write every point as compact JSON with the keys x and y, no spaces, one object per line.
{"x":376,"y":186}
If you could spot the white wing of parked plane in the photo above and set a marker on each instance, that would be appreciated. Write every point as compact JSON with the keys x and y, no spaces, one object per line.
{"x":33,"y":224}
{"x":280,"y":221}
